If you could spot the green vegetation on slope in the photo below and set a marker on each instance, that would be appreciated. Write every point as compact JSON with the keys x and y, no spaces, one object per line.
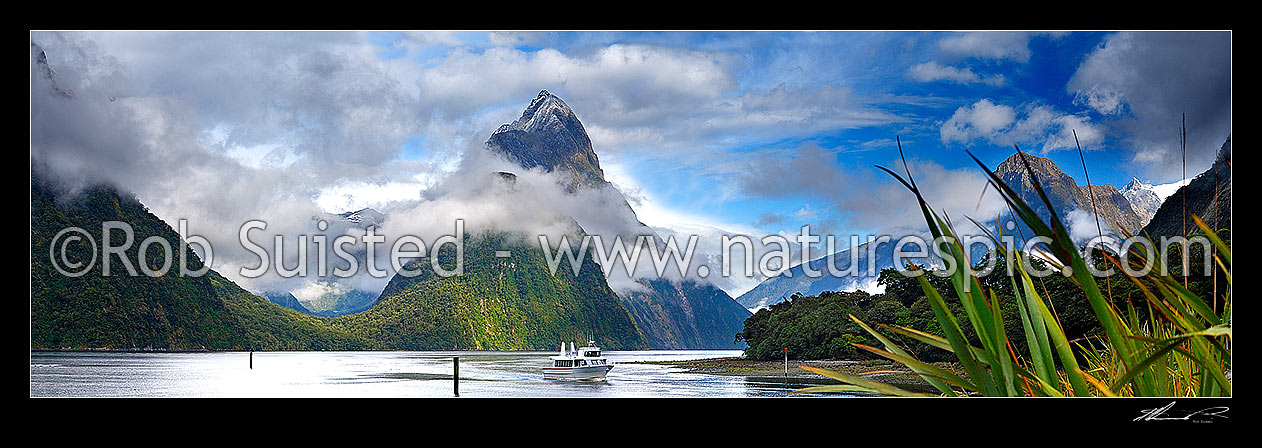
{"x":511,"y":303}
{"x":166,"y":312}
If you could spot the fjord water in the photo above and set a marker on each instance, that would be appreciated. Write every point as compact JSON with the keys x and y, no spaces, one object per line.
{"x":375,"y":374}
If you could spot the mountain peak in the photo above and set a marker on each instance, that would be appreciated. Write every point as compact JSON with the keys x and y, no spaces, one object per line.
{"x":1014,"y":165}
{"x":1136,"y":184}
{"x":1064,"y":193}
{"x":546,"y":110}
{"x":549,"y":136}
{"x":1143,"y":198}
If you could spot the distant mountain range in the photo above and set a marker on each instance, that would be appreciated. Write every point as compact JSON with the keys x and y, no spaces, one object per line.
{"x":329,"y":304}
{"x":1134,"y":207}
{"x":338,"y":300}
{"x":795,"y":280}
{"x":286,"y":300}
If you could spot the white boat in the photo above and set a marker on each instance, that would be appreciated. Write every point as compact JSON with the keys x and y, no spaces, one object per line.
{"x":582,"y":363}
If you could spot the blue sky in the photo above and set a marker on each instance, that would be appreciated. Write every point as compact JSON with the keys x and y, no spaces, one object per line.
{"x":847,"y":94}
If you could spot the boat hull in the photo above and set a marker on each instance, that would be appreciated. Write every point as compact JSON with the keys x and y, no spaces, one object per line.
{"x":576,"y":373}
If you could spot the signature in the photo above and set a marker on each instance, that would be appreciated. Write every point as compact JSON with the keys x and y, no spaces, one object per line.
{"x":1165,"y":413}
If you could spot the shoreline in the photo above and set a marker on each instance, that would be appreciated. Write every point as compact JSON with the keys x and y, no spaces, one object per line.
{"x":879,"y":370}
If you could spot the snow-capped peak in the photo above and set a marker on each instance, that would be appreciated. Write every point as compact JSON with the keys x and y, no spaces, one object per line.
{"x":1136,"y":184}
{"x":1143,"y":198}
{"x":544,"y":110}
{"x":1162,"y":191}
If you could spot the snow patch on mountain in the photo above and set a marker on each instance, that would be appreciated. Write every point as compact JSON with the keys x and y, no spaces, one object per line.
{"x":1164,"y":191}
{"x":1143,"y":198}
{"x":545,"y":110}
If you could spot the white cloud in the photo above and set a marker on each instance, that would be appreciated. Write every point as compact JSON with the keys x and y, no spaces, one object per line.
{"x":222,"y":128}
{"x":1104,"y":101}
{"x":314,"y":290}
{"x":1085,"y":226}
{"x":1081,"y":225}
{"x":1031,"y":126}
{"x":1145,"y":82}
{"x":932,"y":71}
{"x":983,"y":119}
{"x":625,"y":84}
{"x":996,"y":45}
{"x":356,"y":195}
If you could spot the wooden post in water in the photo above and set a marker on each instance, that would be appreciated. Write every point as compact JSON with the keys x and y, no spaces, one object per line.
{"x":251,"y":359}
{"x":455,"y":374}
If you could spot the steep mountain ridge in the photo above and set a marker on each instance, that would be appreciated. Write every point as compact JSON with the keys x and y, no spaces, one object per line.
{"x":549,"y":136}
{"x":1112,"y":206}
{"x":672,"y":314}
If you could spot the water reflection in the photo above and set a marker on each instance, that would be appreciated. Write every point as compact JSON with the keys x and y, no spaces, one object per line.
{"x":377,"y":374}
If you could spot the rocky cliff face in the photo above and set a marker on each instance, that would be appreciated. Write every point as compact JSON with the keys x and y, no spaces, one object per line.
{"x":548,"y":135}
{"x":1065,"y":195}
{"x":1112,"y":206}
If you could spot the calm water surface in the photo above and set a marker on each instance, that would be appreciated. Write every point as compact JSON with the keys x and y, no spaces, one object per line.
{"x":375,"y":374}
